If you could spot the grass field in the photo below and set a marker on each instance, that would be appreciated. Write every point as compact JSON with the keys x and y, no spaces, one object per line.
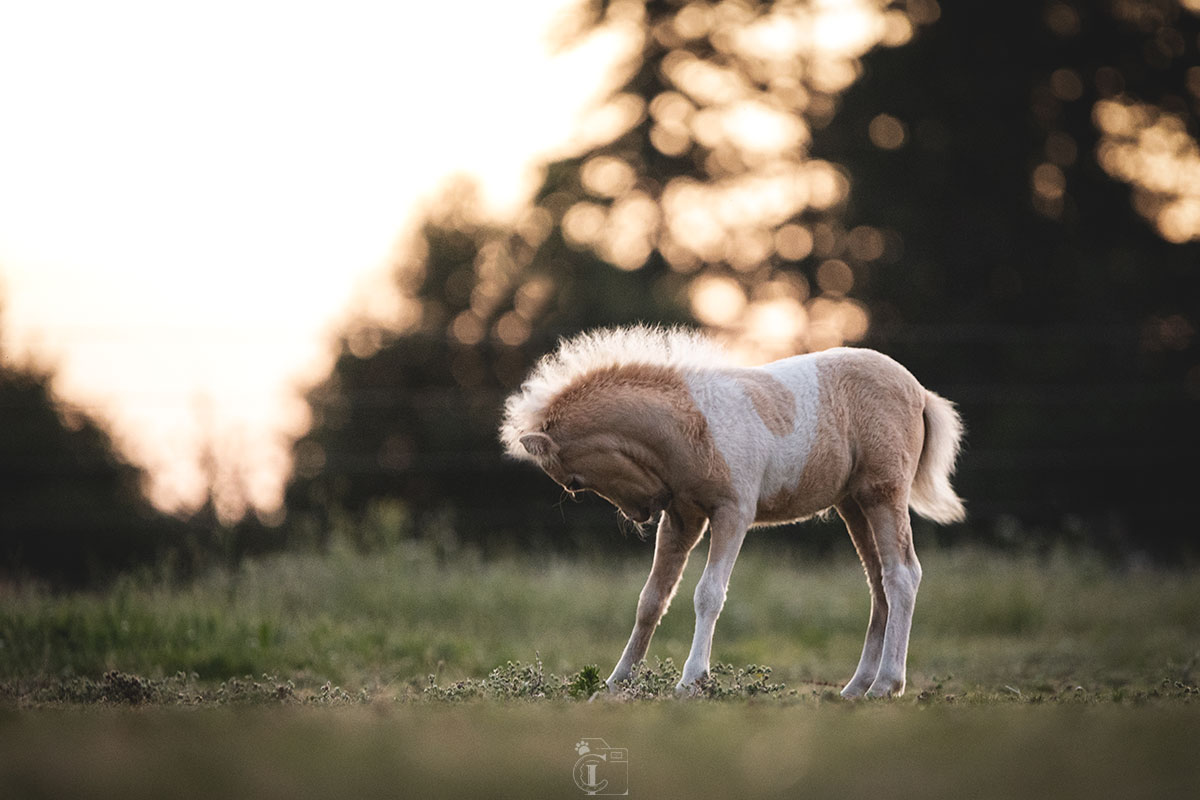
{"x":390,"y":674}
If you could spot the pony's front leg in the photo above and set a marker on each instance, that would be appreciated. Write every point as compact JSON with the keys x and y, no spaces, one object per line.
{"x":677,"y":535}
{"x":727,"y":531}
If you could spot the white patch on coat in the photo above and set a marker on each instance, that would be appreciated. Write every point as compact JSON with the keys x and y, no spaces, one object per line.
{"x":760,"y":463}
{"x":790,"y":454}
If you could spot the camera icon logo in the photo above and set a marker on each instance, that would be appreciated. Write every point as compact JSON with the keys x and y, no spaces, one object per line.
{"x":600,"y":769}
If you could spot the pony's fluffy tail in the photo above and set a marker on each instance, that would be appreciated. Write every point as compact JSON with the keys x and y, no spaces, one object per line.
{"x":932,"y":495}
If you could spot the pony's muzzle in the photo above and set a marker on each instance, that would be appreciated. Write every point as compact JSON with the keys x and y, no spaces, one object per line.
{"x":656,"y":506}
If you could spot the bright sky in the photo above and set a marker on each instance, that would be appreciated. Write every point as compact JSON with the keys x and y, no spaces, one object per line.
{"x":192,"y":195}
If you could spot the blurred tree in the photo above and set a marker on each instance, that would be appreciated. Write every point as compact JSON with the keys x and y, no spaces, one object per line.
{"x":71,"y":508}
{"x":707,"y":174}
{"x":1038,"y":162}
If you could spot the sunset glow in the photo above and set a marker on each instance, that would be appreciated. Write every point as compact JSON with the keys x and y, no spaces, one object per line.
{"x":193,"y":198}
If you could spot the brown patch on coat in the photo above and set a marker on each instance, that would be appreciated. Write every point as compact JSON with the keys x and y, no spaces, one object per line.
{"x":773,"y":403}
{"x":888,"y":407}
{"x":869,"y":437}
{"x":632,"y":430}
{"x":827,"y":470}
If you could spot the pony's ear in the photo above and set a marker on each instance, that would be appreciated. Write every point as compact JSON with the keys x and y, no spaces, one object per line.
{"x":539,"y":445}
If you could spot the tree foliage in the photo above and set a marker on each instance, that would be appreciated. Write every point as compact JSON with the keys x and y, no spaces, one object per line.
{"x":1049,"y":281}
{"x":71,"y":508}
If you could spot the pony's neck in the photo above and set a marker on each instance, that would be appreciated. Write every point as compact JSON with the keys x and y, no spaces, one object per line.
{"x":650,"y":406}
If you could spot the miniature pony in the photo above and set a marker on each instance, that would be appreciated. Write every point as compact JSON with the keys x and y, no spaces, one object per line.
{"x":661,"y":424}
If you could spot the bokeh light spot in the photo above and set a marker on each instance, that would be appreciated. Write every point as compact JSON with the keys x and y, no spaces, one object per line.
{"x":717,"y":301}
{"x":793,"y":242}
{"x":582,"y":223}
{"x":835,"y":277}
{"x":1066,"y":84}
{"x":887,"y":132}
{"x":607,"y":176}
{"x":467,"y":328}
{"x":1049,"y":181}
{"x":512,"y":329}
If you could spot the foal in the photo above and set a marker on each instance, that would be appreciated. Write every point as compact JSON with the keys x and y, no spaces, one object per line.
{"x":661,"y":424}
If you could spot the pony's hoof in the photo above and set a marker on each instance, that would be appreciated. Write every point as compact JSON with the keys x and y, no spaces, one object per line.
{"x":890,"y":688}
{"x":611,"y":695}
{"x":615,"y":679}
{"x":853,"y":691}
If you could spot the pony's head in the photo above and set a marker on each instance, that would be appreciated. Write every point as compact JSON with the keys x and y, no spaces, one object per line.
{"x":632,"y":481}
{"x":604,"y":411}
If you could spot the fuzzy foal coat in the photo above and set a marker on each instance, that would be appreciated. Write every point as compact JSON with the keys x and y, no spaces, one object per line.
{"x":661,"y":425}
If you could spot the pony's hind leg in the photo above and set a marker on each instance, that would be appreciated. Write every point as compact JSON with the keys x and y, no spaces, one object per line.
{"x":901,"y":575}
{"x":864,"y":542}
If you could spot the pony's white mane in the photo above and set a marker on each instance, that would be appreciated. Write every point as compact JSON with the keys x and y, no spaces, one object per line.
{"x":676,"y":347}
